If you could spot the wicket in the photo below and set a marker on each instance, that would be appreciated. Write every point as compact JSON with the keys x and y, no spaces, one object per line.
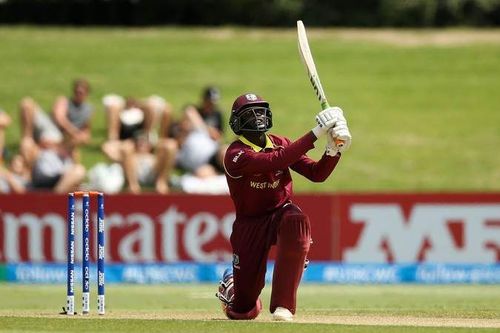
{"x":70,"y":300}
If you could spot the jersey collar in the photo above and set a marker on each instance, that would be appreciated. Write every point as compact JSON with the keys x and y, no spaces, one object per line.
{"x":269,"y":143}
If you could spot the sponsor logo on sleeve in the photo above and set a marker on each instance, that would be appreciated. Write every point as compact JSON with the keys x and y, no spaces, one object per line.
{"x":237,"y":156}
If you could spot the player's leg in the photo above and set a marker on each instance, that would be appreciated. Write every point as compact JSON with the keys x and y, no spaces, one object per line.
{"x":226,"y":296}
{"x":293,"y":241}
{"x":250,"y":242}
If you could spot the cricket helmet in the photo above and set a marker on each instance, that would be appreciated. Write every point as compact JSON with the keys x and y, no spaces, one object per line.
{"x":250,"y":112}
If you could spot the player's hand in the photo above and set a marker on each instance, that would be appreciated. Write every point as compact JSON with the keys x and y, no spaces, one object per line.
{"x":327,"y":119}
{"x":341,"y":132}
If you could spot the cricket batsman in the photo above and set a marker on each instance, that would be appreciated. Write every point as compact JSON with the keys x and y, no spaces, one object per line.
{"x":257,"y":167}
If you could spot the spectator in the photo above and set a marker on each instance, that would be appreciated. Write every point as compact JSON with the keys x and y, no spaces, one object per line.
{"x":199,"y":154}
{"x":15,"y":179}
{"x":210,"y":112}
{"x":70,"y":119}
{"x":145,"y":167}
{"x":52,"y":166}
{"x":128,"y":117}
{"x":72,"y":115}
{"x":199,"y":134}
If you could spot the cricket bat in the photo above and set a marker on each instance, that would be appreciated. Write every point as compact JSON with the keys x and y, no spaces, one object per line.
{"x":307,"y":59}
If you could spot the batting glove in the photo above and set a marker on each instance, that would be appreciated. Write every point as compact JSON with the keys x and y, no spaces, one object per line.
{"x":327,"y":119}
{"x":339,"y":132}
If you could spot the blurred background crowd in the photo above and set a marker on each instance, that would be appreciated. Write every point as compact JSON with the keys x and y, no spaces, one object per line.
{"x":146,"y":147}
{"x":149,"y":145}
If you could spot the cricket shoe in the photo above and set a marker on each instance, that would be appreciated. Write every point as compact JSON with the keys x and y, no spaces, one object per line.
{"x":226,"y":290}
{"x":282,"y":314}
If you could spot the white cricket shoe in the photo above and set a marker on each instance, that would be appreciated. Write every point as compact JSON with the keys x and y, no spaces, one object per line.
{"x":282,"y":314}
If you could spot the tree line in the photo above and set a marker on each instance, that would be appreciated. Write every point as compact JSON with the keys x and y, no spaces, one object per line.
{"x":267,"y":13}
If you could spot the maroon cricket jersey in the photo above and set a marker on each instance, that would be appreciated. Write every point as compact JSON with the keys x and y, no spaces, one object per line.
{"x":259,"y":178}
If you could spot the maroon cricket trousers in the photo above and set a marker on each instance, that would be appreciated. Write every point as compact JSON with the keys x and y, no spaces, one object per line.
{"x":287,"y":228}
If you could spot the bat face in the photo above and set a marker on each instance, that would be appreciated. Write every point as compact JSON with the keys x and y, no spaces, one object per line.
{"x":307,"y":59}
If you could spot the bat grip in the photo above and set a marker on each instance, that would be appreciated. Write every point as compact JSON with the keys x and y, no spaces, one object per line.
{"x":339,"y":143}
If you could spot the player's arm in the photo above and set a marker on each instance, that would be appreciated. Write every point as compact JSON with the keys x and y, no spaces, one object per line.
{"x":319,"y":171}
{"x":316,"y":171}
{"x":247,"y":161}
{"x":250,"y":162}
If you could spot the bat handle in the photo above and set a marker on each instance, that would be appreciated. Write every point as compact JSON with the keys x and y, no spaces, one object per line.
{"x":339,"y":143}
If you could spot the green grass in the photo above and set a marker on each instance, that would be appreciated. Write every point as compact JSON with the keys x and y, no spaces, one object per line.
{"x":193,"y":308}
{"x":423,"y":118}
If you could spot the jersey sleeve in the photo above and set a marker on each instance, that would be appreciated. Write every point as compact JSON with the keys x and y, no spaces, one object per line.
{"x":239,"y":162}
{"x":316,"y":171}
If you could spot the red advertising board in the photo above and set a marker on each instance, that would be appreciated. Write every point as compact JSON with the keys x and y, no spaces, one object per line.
{"x":143,"y":228}
{"x":407,"y":228}
{"x":353,"y":228}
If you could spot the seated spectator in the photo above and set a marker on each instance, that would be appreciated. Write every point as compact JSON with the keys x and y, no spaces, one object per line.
{"x":198,"y":135}
{"x":210,"y":112}
{"x":52,"y":165}
{"x":144,"y":166}
{"x":198,"y":153}
{"x":15,"y":179}
{"x":127,"y":117}
{"x":70,"y":120}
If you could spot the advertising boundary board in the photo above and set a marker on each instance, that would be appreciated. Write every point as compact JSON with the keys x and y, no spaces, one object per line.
{"x":374,"y":228}
{"x":317,"y":272}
